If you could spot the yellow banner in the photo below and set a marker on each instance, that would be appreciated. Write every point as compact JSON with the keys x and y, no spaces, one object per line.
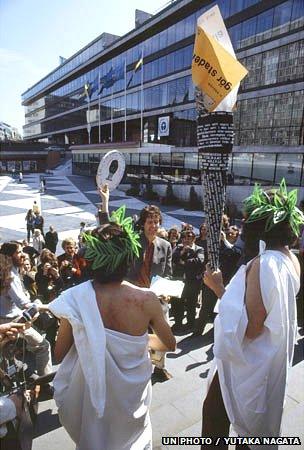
{"x":214,"y":71}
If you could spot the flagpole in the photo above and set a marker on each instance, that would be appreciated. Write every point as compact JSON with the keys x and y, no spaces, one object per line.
{"x":99,"y":124}
{"x":89,"y":119}
{"x":142,"y":98}
{"x":125,"y":100}
{"x":112,"y":114}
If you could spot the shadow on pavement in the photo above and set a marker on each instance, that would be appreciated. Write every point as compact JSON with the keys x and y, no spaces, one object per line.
{"x":193,"y":343}
{"x":46,"y":422}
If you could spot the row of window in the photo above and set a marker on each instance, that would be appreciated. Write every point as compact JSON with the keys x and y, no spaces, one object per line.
{"x":272,"y":120}
{"x":56,"y":102}
{"x":274,"y":66}
{"x":275,"y":21}
{"x":172,"y":93}
{"x":17,"y":166}
{"x":244,"y":168}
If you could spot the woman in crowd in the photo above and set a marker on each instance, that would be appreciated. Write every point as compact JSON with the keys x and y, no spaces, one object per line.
{"x":104,"y":337}
{"x":48,"y":280}
{"x":71,"y":265}
{"x":49,"y":285}
{"x":27,"y":274}
{"x":30,"y":221}
{"x":255,"y":329}
{"x":38,"y":241}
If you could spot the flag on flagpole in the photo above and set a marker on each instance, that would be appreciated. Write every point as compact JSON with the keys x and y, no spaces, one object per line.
{"x":114,"y":74}
{"x":86,"y":89}
{"x":89,"y":88}
{"x":137,"y":67}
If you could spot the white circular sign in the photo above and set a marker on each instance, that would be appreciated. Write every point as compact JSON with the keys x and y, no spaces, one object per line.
{"x":111,"y":169}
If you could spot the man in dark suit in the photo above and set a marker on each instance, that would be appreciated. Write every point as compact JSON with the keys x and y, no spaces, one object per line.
{"x":155,"y":259}
{"x":188,"y":259}
{"x":51,"y":239}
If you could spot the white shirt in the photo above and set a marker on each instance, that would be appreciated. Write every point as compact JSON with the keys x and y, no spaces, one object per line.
{"x":7,"y":413}
{"x":13,"y":302}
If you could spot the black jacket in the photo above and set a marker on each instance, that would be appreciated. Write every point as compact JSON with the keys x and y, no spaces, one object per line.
{"x":193,"y":261}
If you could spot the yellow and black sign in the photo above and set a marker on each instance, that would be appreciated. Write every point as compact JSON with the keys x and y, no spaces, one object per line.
{"x":214,"y":70}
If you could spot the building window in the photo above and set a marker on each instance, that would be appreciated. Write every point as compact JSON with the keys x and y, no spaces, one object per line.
{"x":177,"y":159}
{"x":263,"y":168}
{"x":289,"y":166}
{"x":281,"y":19}
{"x":144,"y":159}
{"x":242,"y":165}
{"x":248,"y":31}
{"x":135,"y":159}
{"x":191,"y":161}
{"x":154,"y":159}
{"x":297,"y":17}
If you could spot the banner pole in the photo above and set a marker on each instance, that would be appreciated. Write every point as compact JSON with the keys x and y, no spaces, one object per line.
{"x":125,"y":100}
{"x":112,"y":114}
{"x":89,"y":119}
{"x":142,"y":98}
{"x":99,"y":124}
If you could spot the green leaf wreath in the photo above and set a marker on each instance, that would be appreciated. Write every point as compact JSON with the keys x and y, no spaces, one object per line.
{"x":109,"y":254}
{"x":276,"y":207}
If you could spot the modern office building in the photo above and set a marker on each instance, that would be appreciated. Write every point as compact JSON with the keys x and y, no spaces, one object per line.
{"x":124,"y":114}
{"x":9,"y":133}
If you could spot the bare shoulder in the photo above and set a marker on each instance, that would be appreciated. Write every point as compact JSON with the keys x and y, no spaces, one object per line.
{"x":142,"y":294}
{"x":253,"y":270}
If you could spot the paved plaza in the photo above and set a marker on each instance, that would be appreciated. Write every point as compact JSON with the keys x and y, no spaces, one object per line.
{"x":176,"y":406}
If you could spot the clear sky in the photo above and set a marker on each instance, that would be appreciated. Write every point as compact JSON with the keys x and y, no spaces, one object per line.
{"x":33,"y":33}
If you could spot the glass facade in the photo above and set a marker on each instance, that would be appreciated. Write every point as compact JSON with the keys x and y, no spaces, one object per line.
{"x":269,"y":110}
{"x":275,"y":21}
{"x":184,"y":168}
{"x":272,"y":120}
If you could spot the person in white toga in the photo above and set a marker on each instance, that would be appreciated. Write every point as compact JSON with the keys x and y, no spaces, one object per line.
{"x":103,"y":387}
{"x":255,"y":329}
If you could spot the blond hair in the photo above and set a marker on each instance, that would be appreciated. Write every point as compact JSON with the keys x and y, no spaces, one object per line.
{"x":68,"y":241}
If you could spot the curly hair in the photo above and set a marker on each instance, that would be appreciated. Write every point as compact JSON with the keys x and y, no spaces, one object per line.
{"x":6,"y":265}
{"x":149,"y":211}
{"x":46,"y":256}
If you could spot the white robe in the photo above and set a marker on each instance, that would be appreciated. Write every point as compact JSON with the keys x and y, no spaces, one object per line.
{"x":102,"y":387}
{"x":253,"y":372}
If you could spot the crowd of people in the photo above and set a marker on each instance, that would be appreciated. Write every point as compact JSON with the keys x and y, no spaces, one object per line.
{"x":104,"y":315}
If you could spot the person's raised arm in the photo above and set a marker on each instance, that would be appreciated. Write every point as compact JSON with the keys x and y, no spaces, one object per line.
{"x":163,"y":340}
{"x":103,"y":212}
{"x":214,"y":281}
{"x":64,"y":340}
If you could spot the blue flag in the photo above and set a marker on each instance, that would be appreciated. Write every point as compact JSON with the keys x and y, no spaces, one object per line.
{"x":119,"y":72}
{"x":114,"y":74}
